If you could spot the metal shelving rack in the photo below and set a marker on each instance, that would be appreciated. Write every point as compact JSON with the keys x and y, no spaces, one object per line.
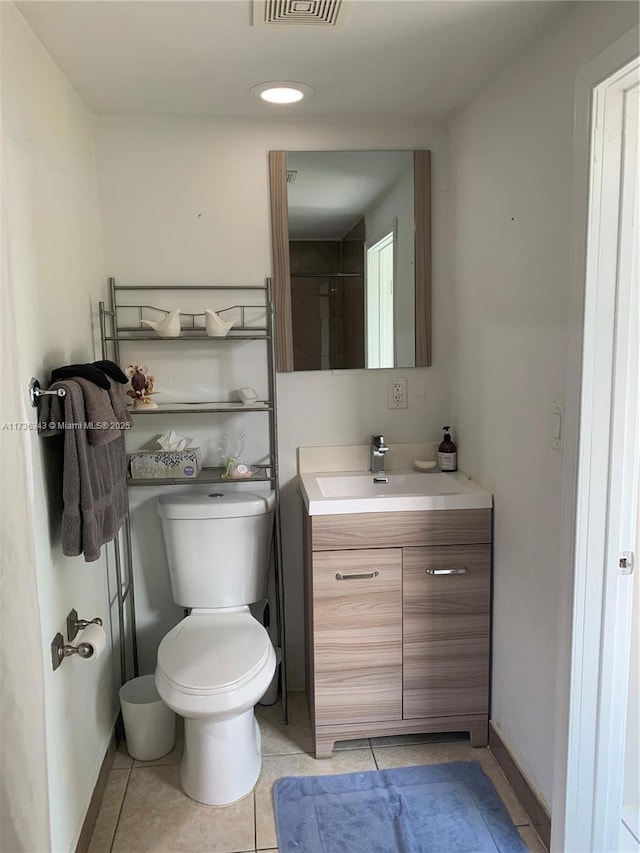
{"x":112,"y":335}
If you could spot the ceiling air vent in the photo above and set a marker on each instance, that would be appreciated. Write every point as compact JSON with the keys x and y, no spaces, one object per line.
{"x":306,"y":13}
{"x":292,"y":174}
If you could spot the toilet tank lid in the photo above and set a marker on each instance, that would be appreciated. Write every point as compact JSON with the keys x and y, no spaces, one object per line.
{"x":216,"y":504}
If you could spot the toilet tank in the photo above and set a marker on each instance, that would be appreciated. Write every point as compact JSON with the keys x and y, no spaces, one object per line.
{"x":218,"y":546}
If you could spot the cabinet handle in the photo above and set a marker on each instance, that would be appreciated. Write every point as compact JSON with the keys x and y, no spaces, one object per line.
{"x":367,"y":575}
{"x":462,"y":571}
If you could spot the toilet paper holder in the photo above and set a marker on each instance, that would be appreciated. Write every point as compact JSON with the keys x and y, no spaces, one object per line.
{"x":74,"y":624}
{"x":61,"y":650}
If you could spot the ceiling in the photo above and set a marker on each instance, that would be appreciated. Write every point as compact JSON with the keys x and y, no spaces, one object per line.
{"x":184,"y":58}
{"x":332,"y":189}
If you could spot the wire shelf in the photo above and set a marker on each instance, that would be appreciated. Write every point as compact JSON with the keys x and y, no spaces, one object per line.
{"x":261,"y":474}
{"x":145,"y":336}
{"x":203,"y":408}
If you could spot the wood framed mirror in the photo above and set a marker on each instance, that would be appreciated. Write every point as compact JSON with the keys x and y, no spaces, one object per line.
{"x":353,"y":345}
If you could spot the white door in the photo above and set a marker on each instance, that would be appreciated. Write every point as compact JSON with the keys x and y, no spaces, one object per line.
{"x":617,"y":792}
{"x":630,"y":829}
{"x":380,"y":317}
{"x":588,"y":808}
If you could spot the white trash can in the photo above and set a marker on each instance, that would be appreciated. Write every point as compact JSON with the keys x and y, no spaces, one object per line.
{"x":271,"y":694}
{"x":149,"y":726}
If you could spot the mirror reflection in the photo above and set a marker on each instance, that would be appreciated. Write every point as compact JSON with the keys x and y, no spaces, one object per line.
{"x":351,"y":254}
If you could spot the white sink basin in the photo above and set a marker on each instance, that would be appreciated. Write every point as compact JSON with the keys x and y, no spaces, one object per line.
{"x":351,"y":492}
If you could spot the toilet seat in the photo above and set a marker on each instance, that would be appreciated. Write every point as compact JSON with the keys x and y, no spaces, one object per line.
{"x":213,"y":653}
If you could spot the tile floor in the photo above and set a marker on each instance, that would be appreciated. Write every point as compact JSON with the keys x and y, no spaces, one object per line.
{"x":144,"y":809}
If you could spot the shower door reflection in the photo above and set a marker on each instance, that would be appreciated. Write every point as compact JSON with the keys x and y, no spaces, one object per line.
{"x":327,"y":303}
{"x":328,"y":313}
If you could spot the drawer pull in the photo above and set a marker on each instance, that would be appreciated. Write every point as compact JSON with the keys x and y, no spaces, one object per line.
{"x":366,"y":576}
{"x":462,"y":571}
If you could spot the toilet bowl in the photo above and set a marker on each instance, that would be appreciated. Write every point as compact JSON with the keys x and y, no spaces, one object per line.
{"x":212,"y":669}
{"x":216,"y":664}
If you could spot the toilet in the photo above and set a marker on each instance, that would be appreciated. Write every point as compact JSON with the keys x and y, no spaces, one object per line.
{"x":216,"y":664}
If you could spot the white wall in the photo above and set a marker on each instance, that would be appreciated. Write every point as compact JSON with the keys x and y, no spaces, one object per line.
{"x":24,"y":801}
{"x":55,"y":273}
{"x":188,"y":201}
{"x":511,"y":152}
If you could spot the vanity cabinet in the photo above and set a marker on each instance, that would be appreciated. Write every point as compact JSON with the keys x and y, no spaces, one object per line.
{"x":357,"y":617}
{"x":445,"y":616}
{"x":397,"y":624}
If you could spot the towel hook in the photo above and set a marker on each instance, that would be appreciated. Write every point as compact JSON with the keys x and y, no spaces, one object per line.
{"x":35,"y":392}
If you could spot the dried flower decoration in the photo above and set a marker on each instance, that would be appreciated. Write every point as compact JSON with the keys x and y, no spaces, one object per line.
{"x":141,"y":386}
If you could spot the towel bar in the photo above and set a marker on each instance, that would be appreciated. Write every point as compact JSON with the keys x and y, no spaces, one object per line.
{"x":35,"y":392}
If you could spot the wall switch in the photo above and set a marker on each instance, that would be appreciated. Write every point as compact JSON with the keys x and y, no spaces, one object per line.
{"x":397,"y":394}
{"x":557,"y":436}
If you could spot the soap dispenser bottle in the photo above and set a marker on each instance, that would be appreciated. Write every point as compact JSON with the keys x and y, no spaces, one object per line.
{"x":447,"y":452}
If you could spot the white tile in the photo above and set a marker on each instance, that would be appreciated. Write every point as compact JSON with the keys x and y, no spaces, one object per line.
{"x":122,"y":760}
{"x":107,"y":819}
{"x":281,"y":739}
{"x":157,"y":817}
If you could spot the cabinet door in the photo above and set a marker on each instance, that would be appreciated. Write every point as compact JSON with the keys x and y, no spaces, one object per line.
{"x":446,"y":593}
{"x":357,"y":635}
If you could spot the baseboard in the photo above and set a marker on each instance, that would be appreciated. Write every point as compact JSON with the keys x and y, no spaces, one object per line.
{"x":538,"y":815}
{"x":98,"y":793}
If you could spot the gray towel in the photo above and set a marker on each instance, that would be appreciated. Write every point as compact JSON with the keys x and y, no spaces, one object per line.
{"x":94,"y":485}
{"x":119,"y":402}
{"x":105,"y":424}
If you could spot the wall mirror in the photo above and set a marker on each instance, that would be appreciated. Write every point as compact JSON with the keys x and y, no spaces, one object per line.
{"x":351,"y":241}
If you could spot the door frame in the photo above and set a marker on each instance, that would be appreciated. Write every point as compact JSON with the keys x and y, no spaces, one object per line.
{"x":373,"y":313}
{"x":589,"y":729}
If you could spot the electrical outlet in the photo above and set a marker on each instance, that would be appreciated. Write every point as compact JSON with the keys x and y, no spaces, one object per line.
{"x":397,"y":394}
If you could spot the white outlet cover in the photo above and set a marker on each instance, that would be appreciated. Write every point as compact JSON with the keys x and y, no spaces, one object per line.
{"x":397,"y":393}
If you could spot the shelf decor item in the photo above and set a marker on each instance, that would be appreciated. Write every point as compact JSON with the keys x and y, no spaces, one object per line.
{"x":166,"y":464}
{"x":232,"y":451}
{"x":141,"y":386}
{"x":167,"y":328}
{"x":215,"y":326}
{"x":247,"y":395}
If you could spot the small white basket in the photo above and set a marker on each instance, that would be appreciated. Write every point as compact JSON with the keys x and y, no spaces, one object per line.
{"x":165,"y":464}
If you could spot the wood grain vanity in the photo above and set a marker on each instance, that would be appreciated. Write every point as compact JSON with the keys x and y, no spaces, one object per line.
{"x":397,"y":623}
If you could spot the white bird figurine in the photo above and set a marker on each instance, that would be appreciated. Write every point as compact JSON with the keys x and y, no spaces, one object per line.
{"x":214,"y":324}
{"x":169,"y":327}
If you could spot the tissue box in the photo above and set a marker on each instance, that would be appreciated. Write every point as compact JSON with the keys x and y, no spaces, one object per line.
{"x":165,"y":464}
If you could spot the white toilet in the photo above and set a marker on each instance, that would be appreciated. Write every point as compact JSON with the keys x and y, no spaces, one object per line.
{"x":216,"y":664}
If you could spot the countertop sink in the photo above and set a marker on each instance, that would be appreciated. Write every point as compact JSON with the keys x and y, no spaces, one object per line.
{"x":329,"y":493}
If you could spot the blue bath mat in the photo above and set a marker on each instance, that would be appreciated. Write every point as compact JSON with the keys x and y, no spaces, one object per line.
{"x":436,"y":808}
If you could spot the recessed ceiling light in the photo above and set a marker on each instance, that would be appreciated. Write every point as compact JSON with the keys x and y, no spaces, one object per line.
{"x":281,"y":92}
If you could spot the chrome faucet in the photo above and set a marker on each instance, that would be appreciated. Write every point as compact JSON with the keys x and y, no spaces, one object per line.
{"x":378,"y":450}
